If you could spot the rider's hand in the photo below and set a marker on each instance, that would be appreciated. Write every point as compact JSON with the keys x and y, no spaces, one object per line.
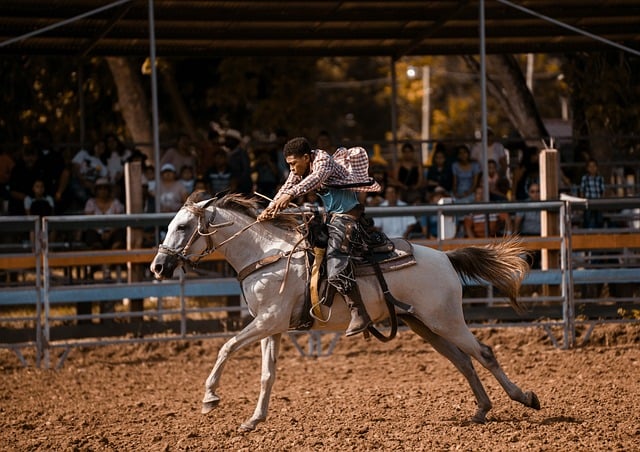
{"x":282,"y":202}
{"x":276,"y":206}
{"x":266,"y":214}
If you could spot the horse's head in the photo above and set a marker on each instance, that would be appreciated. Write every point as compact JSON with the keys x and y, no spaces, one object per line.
{"x":188,"y":238}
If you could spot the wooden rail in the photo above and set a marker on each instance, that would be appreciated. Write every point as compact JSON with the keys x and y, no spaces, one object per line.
{"x":17,"y":261}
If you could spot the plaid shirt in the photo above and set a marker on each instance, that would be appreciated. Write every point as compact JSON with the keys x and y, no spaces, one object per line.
{"x":592,"y":186}
{"x":345,"y":169}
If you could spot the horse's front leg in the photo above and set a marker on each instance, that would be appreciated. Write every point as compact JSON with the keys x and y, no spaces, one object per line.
{"x":270,"y":348}
{"x":252,"y":333}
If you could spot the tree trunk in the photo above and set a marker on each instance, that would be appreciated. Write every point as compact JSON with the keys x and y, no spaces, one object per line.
{"x":133,"y":101}
{"x":178,"y":106}
{"x":506,"y":83}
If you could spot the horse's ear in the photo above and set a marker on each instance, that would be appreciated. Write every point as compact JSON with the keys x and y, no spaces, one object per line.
{"x":209,"y":202}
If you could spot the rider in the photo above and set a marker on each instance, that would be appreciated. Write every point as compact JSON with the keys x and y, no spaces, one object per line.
{"x":317,"y":170}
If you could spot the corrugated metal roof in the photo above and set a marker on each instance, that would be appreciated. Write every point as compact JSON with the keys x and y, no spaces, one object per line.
{"x":315,"y":27}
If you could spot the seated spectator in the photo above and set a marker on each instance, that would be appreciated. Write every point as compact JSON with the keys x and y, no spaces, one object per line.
{"x":396,"y":226}
{"x":219,"y":175}
{"x":429,"y":223}
{"x":180,"y":155}
{"x":169,"y":192}
{"x":187,"y":178}
{"x":104,"y":203}
{"x":87,"y":165}
{"x":408,"y":173}
{"x":481,"y":224}
{"x":466,"y":174}
{"x":439,"y":173}
{"x":39,"y":203}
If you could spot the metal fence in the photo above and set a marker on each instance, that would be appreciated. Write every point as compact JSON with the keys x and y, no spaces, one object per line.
{"x":48,"y":281}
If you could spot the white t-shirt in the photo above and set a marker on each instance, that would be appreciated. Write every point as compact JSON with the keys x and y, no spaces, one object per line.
{"x":394,"y":226}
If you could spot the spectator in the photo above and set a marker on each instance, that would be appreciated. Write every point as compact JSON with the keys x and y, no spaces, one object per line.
{"x":429,"y":223}
{"x":485,"y":224}
{"x":104,"y":203}
{"x":51,"y":168}
{"x":117,"y":155}
{"x":408,"y":173}
{"x":103,"y":238}
{"x":169,"y":192}
{"x":219,"y":175}
{"x":495,"y":151}
{"x":180,"y":155}
{"x":379,"y":174}
{"x":187,"y":178}
{"x":39,"y":202}
{"x":439,"y":173}
{"x":396,"y":226}
{"x":86,"y":167}
{"x":527,"y":173}
{"x":527,"y":222}
{"x":239,"y":163}
{"x":23,"y":175}
{"x":465,"y":175}
{"x":592,"y":187}
{"x":205,"y":153}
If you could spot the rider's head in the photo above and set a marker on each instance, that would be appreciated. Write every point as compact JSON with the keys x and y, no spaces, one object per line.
{"x":297,"y":153}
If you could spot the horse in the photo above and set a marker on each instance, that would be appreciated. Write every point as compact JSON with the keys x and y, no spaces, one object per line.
{"x":274,"y":271}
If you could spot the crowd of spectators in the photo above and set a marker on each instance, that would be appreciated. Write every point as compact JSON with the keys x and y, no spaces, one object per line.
{"x":43,"y":179}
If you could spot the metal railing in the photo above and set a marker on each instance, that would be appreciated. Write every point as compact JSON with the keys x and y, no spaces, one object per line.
{"x":48,"y":299}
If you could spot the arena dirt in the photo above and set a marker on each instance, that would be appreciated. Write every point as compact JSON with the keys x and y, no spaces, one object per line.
{"x":399,"y":396}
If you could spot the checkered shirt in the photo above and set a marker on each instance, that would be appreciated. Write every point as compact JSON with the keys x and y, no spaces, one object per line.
{"x":347,"y":168}
{"x":592,"y":186}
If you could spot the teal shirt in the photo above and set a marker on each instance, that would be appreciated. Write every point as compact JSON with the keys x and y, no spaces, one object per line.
{"x":336,"y":200}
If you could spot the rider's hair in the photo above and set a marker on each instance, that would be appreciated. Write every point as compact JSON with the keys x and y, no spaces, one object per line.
{"x":297,"y":147}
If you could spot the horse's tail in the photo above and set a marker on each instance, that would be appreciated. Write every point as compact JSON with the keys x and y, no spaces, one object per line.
{"x":501,"y":264}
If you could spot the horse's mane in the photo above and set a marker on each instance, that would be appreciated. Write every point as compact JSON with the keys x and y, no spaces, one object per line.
{"x":249,"y":205}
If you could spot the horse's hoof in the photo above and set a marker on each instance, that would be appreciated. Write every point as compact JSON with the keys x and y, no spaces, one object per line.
{"x":246,"y":428}
{"x":209,"y":405}
{"x":479,"y":419}
{"x":532,"y":400}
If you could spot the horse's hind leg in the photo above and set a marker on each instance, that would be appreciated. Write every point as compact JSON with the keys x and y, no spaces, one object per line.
{"x":460,"y":360}
{"x":270,"y":347}
{"x":467,"y":342}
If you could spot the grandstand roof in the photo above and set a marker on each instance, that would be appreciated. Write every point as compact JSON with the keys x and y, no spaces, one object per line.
{"x":396,"y":28}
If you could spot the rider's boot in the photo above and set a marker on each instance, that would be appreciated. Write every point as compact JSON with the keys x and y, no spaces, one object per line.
{"x":360,"y":320}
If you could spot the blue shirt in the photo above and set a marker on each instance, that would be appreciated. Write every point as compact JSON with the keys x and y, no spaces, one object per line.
{"x":337,"y":200}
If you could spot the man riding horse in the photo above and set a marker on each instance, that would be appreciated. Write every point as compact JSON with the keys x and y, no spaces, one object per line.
{"x":336,"y":180}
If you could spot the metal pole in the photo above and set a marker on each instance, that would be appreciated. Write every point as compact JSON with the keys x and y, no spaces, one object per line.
{"x":394,"y":112}
{"x":483,"y":102}
{"x":154,"y":102}
{"x":426,"y":112}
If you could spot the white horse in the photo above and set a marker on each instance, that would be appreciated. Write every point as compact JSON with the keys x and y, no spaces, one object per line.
{"x":274,"y":272}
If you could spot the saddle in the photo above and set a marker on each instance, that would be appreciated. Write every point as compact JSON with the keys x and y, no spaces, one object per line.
{"x":384,"y":255}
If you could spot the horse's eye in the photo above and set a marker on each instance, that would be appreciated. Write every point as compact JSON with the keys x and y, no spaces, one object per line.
{"x":181,"y":227}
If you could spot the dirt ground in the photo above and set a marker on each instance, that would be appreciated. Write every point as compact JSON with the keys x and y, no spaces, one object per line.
{"x":400,"y":395}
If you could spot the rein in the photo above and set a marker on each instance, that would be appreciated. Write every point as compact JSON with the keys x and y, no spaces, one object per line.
{"x":200,"y":231}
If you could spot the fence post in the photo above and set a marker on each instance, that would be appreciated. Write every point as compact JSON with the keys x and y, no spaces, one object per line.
{"x":135,"y":204}
{"x":566,"y":264}
{"x":549,"y":183}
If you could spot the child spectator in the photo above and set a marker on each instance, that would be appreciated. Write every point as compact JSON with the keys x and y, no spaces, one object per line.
{"x":592,"y":187}
{"x":39,"y":203}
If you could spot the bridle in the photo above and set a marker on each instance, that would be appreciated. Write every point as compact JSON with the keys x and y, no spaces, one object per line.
{"x":204,"y":229}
